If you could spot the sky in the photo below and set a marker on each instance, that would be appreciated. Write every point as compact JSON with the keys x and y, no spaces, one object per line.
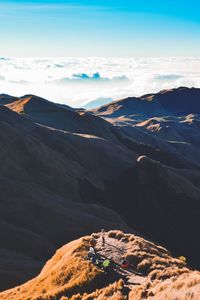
{"x":101,"y":28}
{"x":76,"y":51}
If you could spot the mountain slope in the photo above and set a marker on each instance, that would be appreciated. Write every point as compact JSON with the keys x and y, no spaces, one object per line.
{"x":160,"y":202}
{"x":40,"y":201}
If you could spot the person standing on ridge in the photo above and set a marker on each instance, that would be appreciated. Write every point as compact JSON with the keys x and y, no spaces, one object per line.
{"x":103,"y":236}
{"x":92,"y":252}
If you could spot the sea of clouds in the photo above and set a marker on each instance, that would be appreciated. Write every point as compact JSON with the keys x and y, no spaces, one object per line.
{"x":76,"y":81}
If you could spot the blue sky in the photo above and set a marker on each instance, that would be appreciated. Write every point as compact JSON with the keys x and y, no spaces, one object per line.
{"x":109,"y":28}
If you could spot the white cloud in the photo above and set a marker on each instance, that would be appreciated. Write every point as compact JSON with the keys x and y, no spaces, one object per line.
{"x":168,"y":77}
{"x":2,"y":78}
{"x":84,"y":79}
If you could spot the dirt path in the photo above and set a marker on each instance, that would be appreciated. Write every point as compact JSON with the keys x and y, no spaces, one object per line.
{"x":115,"y":250}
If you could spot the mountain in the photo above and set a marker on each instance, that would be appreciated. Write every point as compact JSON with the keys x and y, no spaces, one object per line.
{"x":42,"y":171}
{"x":160,"y":192}
{"x":153,"y":273}
{"x":178,"y":101}
{"x":97,"y":102}
{"x":60,"y":117}
{"x":68,"y":172}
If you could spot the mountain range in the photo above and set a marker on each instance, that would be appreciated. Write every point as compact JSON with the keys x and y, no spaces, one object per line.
{"x":133,"y":165}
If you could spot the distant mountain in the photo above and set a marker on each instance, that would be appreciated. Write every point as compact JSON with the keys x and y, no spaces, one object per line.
{"x":97,"y":102}
{"x":178,"y":101}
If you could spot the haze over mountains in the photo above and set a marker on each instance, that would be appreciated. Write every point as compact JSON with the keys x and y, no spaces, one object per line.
{"x":133,"y":164}
{"x":97,"y":102}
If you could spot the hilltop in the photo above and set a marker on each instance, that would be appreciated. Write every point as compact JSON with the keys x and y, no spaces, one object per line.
{"x":152,"y":273}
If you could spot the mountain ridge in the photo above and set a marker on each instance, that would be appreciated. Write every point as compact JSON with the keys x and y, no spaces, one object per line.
{"x":152,"y":272}
{"x":62,"y":178}
{"x":163,"y":102}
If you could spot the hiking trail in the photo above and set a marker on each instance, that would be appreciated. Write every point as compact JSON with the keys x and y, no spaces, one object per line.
{"x":115,"y":250}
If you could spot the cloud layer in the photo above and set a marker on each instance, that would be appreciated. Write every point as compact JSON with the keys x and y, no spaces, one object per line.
{"x":74,"y":81}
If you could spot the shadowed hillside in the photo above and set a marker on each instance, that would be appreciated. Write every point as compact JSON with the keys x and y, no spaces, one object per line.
{"x":162,"y":203}
{"x":6,"y":99}
{"x":40,"y":204}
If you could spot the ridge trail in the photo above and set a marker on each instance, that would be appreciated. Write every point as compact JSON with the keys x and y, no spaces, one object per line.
{"x":115,"y":251}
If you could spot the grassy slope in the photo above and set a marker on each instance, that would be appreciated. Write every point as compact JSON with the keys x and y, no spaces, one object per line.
{"x":69,"y":276}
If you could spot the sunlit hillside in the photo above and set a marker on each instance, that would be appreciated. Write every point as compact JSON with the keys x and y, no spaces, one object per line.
{"x":152,"y":273}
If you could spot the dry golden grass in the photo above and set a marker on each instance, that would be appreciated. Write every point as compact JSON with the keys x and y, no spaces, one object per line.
{"x":174,"y":282}
{"x":68,"y":276}
{"x":66,"y":273}
{"x":183,"y":287}
{"x":113,"y":291}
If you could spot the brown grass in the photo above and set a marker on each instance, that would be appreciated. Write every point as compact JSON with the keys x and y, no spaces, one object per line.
{"x":68,"y":276}
{"x":66,"y":273}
